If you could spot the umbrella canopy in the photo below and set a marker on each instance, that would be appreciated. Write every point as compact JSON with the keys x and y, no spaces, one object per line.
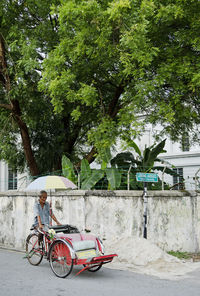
{"x":51,"y":182}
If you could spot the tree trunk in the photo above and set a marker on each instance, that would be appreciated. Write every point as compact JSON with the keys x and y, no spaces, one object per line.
{"x":14,"y":108}
{"x":25,"y":139}
{"x":91,"y":155}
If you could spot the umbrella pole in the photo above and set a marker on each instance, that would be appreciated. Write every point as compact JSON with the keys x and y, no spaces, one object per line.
{"x":50,"y":208}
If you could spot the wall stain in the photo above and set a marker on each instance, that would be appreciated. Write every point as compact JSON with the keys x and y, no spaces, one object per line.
{"x":58,"y":206}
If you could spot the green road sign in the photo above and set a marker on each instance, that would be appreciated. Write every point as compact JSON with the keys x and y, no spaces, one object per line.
{"x":146,"y":177}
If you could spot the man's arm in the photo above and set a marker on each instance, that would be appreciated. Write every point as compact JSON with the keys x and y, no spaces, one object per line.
{"x":40,"y":222}
{"x":54,"y":218}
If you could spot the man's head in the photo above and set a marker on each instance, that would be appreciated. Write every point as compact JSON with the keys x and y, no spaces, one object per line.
{"x":43,"y":196}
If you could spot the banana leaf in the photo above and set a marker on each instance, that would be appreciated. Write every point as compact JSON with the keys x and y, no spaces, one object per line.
{"x":123,"y":160}
{"x":135,"y":146}
{"x":106,"y":158}
{"x":85,"y":170}
{"x":150,"y":154}
{"x":68,"y":169}
{"x":92,"y":180}
{"x":114,"y":178}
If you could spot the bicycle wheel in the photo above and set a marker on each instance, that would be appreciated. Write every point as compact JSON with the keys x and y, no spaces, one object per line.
{"x":60,"y":259}
{"x":95,"y":267}
{"x":34,"y":251}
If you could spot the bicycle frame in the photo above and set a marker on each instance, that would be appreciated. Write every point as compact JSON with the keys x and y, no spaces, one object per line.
{"x":46,"y":242}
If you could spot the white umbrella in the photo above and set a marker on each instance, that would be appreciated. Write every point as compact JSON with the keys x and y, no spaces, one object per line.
{"x":50,"y":182}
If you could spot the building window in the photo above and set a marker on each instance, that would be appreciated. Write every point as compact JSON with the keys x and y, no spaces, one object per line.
{"x":185,"y":142}
{"x":12,"y":179}
{"x":178,"y":180}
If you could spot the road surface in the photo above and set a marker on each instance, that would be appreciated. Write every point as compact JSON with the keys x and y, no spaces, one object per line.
{"x":19,"y":278}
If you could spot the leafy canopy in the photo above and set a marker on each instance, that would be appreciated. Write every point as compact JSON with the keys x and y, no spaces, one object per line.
{"x":82,"y":72}
{"x":120,"y":59}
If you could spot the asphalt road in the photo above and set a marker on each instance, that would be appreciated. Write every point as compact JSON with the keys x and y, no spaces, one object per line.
{"x":18,"y":277}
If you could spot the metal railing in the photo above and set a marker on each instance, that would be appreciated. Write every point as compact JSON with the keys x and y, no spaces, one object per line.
{"x":128,"y":181}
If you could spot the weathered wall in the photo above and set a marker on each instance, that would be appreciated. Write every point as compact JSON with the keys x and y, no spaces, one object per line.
{"x":173,"y":217}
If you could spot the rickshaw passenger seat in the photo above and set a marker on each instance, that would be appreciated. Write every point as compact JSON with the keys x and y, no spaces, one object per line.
{"x":84,"y":245}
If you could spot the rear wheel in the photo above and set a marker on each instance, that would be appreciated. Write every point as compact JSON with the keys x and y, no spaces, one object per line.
{"x":60,"y":259}
{"x":34,"y":251}
{"x":95,"y":267}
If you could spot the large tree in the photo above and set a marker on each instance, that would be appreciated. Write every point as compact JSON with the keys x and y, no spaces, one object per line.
{"x":118,"y":60}
{"x":103,"y":64}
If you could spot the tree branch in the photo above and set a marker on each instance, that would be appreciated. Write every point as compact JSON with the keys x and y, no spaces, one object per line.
{"x":3,"y":66}
{"x":6,"y":106}
{"x":114,"y":107}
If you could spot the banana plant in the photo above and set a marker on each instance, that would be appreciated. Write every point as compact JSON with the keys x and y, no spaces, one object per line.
{"x":89,"y":177}
{"x":115,"y":176}
{"x":144,"y":162}
{"x":112,"y":174}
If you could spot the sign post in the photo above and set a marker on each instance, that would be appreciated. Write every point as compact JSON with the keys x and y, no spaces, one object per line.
{"x":145,"y":209}
{"x":146,"y":177}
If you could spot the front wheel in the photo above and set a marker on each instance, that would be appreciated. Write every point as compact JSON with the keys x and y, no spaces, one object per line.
{"x":34,"y":251}
{"x":60,"y":259}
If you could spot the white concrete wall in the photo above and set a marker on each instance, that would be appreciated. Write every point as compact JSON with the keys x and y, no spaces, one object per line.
{"x":173,"y":217}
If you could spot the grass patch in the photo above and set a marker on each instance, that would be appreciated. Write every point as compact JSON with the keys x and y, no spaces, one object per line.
{"x":181,"y":255}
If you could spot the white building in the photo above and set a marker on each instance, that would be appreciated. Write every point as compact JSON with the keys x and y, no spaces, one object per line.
{"x":11,"y":180}
{"x":184,"y":157}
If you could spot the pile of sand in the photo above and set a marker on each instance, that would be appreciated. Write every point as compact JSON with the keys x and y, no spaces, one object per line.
{"x":140,"y":255}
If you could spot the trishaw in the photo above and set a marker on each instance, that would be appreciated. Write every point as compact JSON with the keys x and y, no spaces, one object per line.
{"x":65,"y":246}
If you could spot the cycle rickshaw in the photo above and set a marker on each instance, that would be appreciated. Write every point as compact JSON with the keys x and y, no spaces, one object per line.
{"x":65,"y":246}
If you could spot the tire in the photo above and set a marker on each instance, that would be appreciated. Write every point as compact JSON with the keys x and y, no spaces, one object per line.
{"x":34,"y":251}
{"x":95,"y":268}
{"x":60,"y":259}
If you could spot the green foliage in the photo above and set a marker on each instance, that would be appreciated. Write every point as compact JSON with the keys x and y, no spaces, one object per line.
{"x":126,"y":161}
{"x":92,"y":180}
{"x":114,"y":178}
{"x":144,"y":162}
{"x":88,"y":177}
{"x":135,"y":146}
{"x":28,"y":34}
{"x":82,"y":71}
{"x":85,"y":170}
{"x":150,"y":155}
{"x":180,"y":255}
{"x":67,"y":169}
{"x":105,"y":158}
